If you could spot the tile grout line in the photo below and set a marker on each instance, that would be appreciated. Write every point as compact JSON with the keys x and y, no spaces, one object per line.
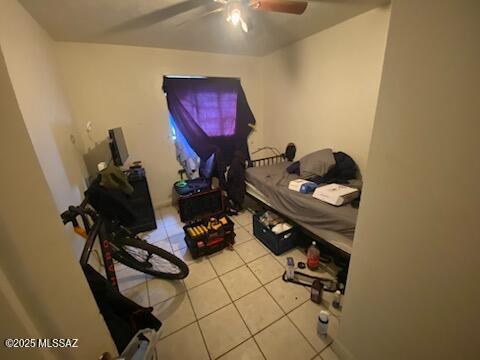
{"x":285,"y":314}
{"x":197,"y":319}
{"x":296,"y":327}
{"x":231,"y":302}
{"x":199,"y":327}
{"x":240,"y":315}
{"x":169,"y":298}
{"x":301,"y":333}
{"x":237,"y":346}
{"x":178,"y":330}
{"x":191,"y":305}
{"x":268,"y":253}
{"x":261,"y":286}
{"x":219,"y":277}
{"x":189,"y":300}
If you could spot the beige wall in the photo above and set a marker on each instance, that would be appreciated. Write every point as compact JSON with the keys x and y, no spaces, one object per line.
{"x":413,"y":287}
{"x":43,"y":292}
{"x":122,"y":86}
{"x":322,"y":91}
{"x":29,"y":56}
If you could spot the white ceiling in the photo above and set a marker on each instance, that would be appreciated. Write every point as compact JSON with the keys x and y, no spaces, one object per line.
{"x":154,"y":23}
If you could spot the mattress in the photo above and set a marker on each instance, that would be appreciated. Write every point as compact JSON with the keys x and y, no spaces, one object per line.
{"x":335,"y":225}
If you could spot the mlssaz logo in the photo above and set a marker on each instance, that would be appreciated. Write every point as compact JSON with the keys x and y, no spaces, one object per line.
{"x":58,"y":343}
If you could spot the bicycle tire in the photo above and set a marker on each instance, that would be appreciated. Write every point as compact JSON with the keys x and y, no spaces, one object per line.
{"x":125,"y":257}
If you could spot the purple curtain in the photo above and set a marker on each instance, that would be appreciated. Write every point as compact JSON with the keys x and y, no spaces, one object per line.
{"x":212,"y":114}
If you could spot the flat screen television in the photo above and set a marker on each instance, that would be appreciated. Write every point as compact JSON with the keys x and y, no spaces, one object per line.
{"x":118,"y":147}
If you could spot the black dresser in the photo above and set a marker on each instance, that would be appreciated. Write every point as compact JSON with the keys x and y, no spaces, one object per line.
{"x":141,"y":202}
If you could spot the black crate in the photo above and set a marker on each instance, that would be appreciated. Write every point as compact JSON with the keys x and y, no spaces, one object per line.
{"x":211,"y":243}
{"x":277,"y":243}
{"x":200,"y":205}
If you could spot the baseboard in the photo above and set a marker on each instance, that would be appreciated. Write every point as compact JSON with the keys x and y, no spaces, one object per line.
{"x":162,"y":204}
{"x":341,"y":351}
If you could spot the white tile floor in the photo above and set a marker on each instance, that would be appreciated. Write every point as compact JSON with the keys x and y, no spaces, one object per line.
{"x":233,"y":305}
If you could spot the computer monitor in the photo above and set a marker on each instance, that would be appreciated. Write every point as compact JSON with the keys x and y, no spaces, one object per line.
{"x":118,"y":147}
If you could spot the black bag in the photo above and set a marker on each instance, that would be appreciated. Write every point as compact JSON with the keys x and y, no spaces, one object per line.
{"x":124,"y":317}
{"x":193,"y":186}
{"x":111,"y":203}
{"x":236,"y":184}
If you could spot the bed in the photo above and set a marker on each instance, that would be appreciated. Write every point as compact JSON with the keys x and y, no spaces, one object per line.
{"x":267,"y":182}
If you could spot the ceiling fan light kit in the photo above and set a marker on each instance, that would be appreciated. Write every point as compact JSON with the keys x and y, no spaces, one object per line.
{"x":236,"y":10}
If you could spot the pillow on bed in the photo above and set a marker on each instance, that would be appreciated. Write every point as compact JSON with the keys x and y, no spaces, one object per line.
{"x":317,"y":163}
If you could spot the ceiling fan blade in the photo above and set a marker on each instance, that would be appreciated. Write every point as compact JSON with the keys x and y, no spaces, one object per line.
{"x":158,"y":15}
{"x":214,"y":11}
{"x":283,"y":6}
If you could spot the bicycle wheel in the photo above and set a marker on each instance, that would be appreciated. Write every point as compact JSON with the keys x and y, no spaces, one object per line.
{"x":149,"y":259}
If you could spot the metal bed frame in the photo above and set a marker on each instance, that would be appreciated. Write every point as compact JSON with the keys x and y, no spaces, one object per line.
{"x":270,"y":160}
{"x":276,"y":159}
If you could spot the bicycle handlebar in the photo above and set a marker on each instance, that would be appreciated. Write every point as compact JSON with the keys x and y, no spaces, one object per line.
{"x":71,"y":214}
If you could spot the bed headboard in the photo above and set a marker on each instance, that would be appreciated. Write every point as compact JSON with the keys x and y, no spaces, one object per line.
{"x":271,"y":160}
{"x":288,"y":155}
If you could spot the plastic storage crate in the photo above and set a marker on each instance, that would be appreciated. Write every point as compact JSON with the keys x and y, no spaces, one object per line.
{"x":277,"y":243}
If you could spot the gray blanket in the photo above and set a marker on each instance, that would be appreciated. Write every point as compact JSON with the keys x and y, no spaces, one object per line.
{"x":304,"y":209}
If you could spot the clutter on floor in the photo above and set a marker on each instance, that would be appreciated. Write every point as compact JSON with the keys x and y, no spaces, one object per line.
{"x":322,"y":324}
{"x":242,"y":288}
{"x":141,"y":346}
{"x":276,"y":224}
{"x":303,"y":279}
{"x":316,"y":291}
{"x":273,"y":231}
{"x":337,"y":301}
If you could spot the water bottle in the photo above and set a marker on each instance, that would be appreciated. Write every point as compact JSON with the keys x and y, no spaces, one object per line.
{"x":336,"y":303}
{"x":313,"y":257}
{"x":290,"y":270}
{"x":322,"y":323}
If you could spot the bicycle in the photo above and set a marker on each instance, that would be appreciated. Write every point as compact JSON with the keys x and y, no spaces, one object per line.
{"x":117,"y":242}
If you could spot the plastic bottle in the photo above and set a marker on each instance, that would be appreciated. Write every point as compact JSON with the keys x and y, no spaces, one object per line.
{"x":336,"y":303}
{"x":290,"y":271}
{"x":313,"y":257}
{"x":322,"y":323}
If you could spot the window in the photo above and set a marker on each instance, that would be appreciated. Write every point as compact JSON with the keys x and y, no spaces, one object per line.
{"x":212,"y":114}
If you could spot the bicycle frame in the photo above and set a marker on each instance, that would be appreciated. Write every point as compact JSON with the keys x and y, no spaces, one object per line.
{"x":90,"y":233}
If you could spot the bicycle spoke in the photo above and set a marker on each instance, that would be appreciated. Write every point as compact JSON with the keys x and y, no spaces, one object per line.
{"x":155,"y":262}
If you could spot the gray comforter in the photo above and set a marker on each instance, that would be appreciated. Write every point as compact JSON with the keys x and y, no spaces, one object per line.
{"x":304,"y":209}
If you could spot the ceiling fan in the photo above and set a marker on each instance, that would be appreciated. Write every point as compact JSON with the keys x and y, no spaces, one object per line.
{"x":236,"y":12}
